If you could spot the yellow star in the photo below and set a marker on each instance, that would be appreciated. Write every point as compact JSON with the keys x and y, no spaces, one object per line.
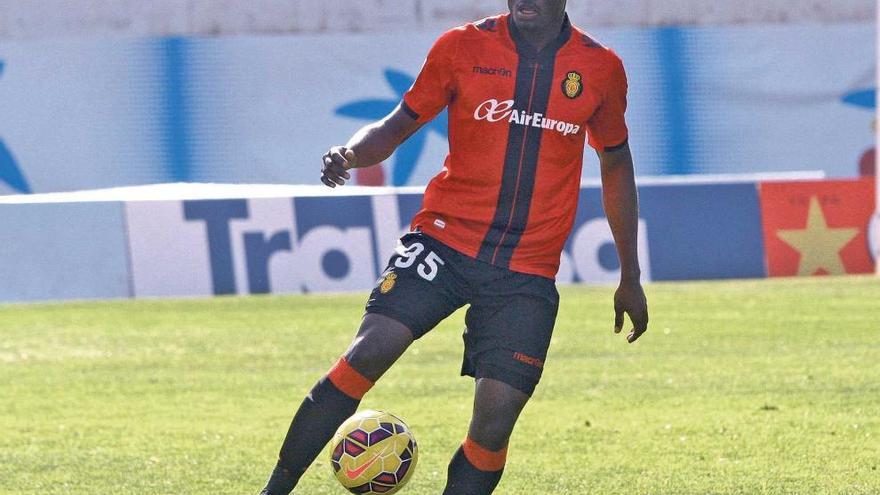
{"x":818,"y":243}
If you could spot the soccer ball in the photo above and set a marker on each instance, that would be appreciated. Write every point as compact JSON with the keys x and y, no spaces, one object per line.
{"x":373,"y":452}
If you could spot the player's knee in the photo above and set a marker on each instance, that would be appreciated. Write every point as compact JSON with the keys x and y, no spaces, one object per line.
{"x":496,"y":410}
{"x":379,"y":342}
{"x":491,"y":427}
{"x":491,"y":432}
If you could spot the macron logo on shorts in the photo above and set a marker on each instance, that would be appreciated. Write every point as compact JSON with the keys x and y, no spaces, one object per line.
{"x":529,"y":360}
{"x":496,"y":111}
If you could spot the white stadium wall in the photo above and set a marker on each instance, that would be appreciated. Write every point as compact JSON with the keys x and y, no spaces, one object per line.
{"x":65,"y":18}
{"x":61,"y":251}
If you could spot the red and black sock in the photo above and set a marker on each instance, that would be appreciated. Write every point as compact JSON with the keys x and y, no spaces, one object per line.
{"x":474,"y":470}
{"x":332,"y":400}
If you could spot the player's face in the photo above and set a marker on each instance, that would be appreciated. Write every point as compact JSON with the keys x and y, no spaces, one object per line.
{"x":536,"y":14}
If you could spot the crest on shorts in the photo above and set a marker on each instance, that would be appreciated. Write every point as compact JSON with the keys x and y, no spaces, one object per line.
{"x":388,"y":283}
{"x":572,"y":85}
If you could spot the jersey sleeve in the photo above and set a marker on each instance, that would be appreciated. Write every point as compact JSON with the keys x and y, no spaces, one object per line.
{"x":607,"y":126}
{"x":433,"y":88}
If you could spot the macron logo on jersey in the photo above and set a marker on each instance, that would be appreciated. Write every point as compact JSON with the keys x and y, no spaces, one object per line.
{"x":496,"y":111}
{"x":493,"y":71}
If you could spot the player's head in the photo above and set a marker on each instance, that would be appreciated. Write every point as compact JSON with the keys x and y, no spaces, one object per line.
{"x":536,"y":14}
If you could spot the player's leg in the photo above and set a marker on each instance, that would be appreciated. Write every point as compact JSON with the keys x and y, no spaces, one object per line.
{"x":509,"y":325}
{"x":380,"y":341}
{"x":412,"y":297}
{"x":477,"y":465}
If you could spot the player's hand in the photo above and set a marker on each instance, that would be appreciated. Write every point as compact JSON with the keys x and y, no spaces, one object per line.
{"x":630,"y":299}
{"x":336,"y":163}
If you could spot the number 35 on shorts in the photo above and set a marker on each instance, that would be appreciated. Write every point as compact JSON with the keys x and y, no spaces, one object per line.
{"x":427,"y":267}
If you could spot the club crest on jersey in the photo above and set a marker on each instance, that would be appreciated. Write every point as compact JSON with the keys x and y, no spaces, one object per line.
{"x":388,"y":283}
{"x":572,"y":85}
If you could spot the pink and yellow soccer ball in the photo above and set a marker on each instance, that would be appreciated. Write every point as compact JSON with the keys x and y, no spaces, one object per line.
{"x":373,"y":452}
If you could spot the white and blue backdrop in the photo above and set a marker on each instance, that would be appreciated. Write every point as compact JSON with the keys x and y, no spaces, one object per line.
{"x":83,"y":114}
{"x":90,"y":114}
{"x":321,"y":240}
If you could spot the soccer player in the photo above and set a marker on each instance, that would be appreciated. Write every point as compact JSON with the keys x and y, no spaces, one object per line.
{"x":524,"y":90}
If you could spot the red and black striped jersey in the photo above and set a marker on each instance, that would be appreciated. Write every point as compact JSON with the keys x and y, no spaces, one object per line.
{"x":518,"y":121}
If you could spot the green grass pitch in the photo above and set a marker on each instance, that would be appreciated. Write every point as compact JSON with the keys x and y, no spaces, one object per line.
{"x":744,"y":387}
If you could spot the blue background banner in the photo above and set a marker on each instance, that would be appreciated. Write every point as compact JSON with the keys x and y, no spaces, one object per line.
{"x":704,"y":232}
{"x":736,"y":99}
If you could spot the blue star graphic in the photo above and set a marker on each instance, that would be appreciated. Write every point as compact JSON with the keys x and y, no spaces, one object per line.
{"x":865,"y":98}
{"x":407,"y":155}
{"x":9,"y":171}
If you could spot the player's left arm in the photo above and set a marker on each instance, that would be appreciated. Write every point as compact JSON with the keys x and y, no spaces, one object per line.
{"x":621,"y":203}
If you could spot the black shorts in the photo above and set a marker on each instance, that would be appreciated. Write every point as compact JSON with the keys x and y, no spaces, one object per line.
{"x":509,"y":321}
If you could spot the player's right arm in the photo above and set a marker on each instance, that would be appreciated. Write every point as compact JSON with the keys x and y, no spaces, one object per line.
{"x":370,"y":145}
{"x":430,"y":94}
